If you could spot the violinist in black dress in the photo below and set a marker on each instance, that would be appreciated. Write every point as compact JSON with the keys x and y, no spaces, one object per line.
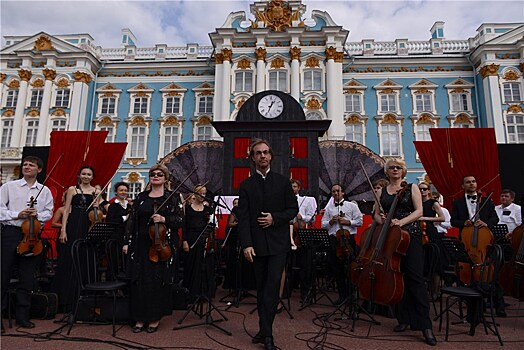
{"x":413,"y":309}
{"x":151,"y":281}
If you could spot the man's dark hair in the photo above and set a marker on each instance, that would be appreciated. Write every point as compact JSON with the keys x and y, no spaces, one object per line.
{"x":34,"y":159}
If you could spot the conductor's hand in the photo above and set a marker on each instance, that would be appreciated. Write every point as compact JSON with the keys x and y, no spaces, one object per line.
{"x":265,"y":220}
{"x":249,"y":253}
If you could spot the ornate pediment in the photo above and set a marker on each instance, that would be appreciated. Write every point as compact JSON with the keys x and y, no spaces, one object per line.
{"x":43,"y":43}
{"x":277,"y":16}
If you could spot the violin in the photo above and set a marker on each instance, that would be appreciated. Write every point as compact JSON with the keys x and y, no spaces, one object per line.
{"x":95,"y":214}
{"x":343,"y":249}
{"x":476,"y":242}
{"x":159,"y":249}
{"x":423,"y":227}
{"x":380,"y":279}
{"x":31,"y":244}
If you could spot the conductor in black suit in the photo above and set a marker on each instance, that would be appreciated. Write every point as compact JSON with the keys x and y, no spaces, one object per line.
{"x":462,"y":214}
{"x":266,"y":205}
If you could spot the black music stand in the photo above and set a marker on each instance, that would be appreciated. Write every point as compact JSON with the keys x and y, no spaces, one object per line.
{"x":499,"y":234}
{"x":101,"y":231}
{"x":314,"y":239}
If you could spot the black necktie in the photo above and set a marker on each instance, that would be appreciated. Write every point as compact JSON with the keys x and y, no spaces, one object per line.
{"x":339,"y":203}
{"x":473,"y":197}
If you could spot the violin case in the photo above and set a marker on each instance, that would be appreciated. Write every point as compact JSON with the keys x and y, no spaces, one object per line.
{"x":100,"y":309}
{"x":44,"y":306}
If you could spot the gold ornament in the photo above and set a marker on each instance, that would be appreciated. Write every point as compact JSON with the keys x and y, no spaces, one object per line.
{"x":25,"y":74}
{"x":260,"y":54}
{"x":43,"y":43}
{"x":489,"y":70}
{"x":294,"y":53}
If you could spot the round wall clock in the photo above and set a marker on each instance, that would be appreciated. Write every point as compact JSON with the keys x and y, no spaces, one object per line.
{"x":270,"y":106}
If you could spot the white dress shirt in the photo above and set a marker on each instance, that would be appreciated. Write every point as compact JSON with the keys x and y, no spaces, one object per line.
{"x":307,"y":207}
{"x":510,"y":215}
{"x":15,"y":196}
{"x":444,"y":226}
{"x":348,"y":210}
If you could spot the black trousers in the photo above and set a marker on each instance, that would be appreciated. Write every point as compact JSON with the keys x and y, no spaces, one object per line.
{"x":339,"y":266}
{"x":413,"y":309}
{"x":11,"y":236}
{"x":268,"y":271}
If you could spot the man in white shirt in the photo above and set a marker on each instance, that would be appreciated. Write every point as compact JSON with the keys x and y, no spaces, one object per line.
{"x":14,"y":210}
{"x":307,"y":206}
{"x":345,"y":215}
{"x":508,"y":212}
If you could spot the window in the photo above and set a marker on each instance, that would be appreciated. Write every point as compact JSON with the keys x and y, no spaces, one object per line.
{"x":170,"y":138}
{"x":36,"y":98}
{"x":137,"y":144}
{"x":354,"y":133}
{"x":312,"y":80}
{"x":110,"y":133}
{"x":390,"y":140}
{"x":515,"y":125}
{"x":108,"y":105}
{"x":313,"y":116}
{"x":173,"y":105}
{"x":353,"y":103}
{"x":7,"y":132}
{"x":134,"y":189}
{"x":511,"y":92}
{"x":388,"y":103}
{"x":459,"y":102}
{"x":140,"y":105}
{"x":204,"y":133}
{"x":422,"y":131}
{"x":30,"y":136}
{"x":58,"y":125}
{"x":423,"y":103}
{"x":244,"y":81}
{"x":278,"y":80}
{"x":11,"y":98}
{"x":205,"y":104}
{"x":62,"y":98}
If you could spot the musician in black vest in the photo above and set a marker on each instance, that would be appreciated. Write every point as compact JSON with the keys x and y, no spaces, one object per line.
{"x":266,"y":205}
{"x":462,"y":214}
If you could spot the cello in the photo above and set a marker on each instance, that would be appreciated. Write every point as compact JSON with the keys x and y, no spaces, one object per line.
{"x":476,"y":242}
{"x":380,"y":279}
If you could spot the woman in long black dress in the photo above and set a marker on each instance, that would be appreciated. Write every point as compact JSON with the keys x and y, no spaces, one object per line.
{"x":151,"y":282}
{"x":75,"y":225}
{"x":199,"y":265}
{"x":230,"y":280}
{"x":413,"y":309}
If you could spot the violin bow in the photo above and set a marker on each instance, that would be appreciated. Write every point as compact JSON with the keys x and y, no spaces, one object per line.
{"x":371,"y":185}
{"x":102,"y":190}
{"x":48,"y":175}
{"x":482,"y":206}
{"x":176,"y":189}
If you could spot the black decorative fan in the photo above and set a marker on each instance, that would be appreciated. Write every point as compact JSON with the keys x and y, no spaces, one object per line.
{"x":340,"y":163}
{"x":207,"y":156}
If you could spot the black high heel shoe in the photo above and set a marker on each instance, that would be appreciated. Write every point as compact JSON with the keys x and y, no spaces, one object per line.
{"x":429,"y":337}
{"x":151,"y":329}
{"x":137,"y":329}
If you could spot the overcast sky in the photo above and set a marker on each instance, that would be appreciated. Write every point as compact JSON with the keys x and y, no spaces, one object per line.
{"x":178,"y":22}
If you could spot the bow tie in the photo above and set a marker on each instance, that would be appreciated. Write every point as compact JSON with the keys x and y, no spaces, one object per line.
{"x":473,"y":197}
{"x":339,"y":203}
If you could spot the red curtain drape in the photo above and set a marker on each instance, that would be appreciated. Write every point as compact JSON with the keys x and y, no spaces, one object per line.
{"x":299,"y":173}
{"x":241,"y":147}
{"x":454,"y":153}
{"x":298,"y":147}
{"x":239,"y":175}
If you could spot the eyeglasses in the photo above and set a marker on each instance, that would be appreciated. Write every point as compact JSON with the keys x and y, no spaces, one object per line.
{"x":395,"y":167}
{"x":423,"y":188}
{"x":157,"y":174}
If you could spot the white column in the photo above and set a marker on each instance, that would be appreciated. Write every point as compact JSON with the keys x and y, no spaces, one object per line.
{"x":226,"y":85}
{"x":18,"y":124}
{"x":334,"y":100}
{"x":261,"y":75}
{"x":218,"y":91}
{"x":42,"y":136}
{"x":295,"y":79}
{"x":79,"y":100}
{"x":494,"y":107}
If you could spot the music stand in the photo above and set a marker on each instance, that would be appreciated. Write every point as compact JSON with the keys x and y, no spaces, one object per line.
{"x":314,"y":239}
{"x":499,"y":234}
{"x":101,"y":231}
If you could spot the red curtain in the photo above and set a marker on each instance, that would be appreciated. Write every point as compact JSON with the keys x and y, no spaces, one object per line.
{"x":454,"y":153}
{"x":241,"y":147}
{"x":298,"y":147}
{"x":239,"y":175}
{"x":299,"y":173}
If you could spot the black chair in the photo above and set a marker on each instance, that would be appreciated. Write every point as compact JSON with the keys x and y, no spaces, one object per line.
{"x":85,"y":262}
{"x":483,"y":291}
{"x":117,"y":260}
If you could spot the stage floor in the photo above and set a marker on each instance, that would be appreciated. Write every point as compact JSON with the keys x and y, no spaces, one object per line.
{"x":305,"y":331}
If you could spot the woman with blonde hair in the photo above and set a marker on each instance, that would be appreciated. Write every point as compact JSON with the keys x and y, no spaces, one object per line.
{"x":413,"y":309}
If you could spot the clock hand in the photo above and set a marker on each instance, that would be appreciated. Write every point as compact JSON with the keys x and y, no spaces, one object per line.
{"x":269,"y":108}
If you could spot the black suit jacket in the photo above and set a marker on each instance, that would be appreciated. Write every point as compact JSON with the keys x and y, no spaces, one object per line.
{"x":273,"y":195}
{"x":459,"y":213}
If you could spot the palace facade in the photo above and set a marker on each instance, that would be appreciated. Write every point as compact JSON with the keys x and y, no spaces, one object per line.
{"x":383,"y":95}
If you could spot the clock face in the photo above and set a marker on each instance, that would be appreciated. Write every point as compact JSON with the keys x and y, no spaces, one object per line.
{"x":270,"y":106}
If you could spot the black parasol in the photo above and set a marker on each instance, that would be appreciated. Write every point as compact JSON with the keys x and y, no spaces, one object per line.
{"x":207,"y":156}
{"x":340,"y":163}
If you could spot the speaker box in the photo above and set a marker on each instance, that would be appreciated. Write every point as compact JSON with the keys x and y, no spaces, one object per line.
{"x":100,"y":309}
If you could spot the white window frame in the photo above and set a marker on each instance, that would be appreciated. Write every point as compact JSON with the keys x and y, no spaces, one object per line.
{"x":30,"y":132}
{"x":173,"y":109}
{"x":107,"y":109}
{"x":513,"y":94}
{"x":137,"y":185}
{"x":111,"y":131}
{"x":423,"y":102}
{"x":206,"y":134}
{"x":7,"y":132}
{"x":310,"y":76}
{"x":11,"y":98}
{"x":61,"y":127}
{"x":349,"y":101}
{"x":512,"y":128}
{"x":274,"y":80}
{"x":137,"y":124}
{"x":244,"y":80}
{"x":457,"y":99}
{"x":60,"y":99}
{"x":390,"y":98}
{"x":208,"y":110}
{"x":164,"y":148}
{"x":140,"y":105}
{"x":422,"y":131}
{"x":36,"y":95}
{"x":350,"y":130}
{"x":314,"y":115}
